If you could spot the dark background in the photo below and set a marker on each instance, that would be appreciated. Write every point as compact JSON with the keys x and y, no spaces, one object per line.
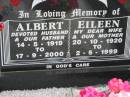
{"x":41,"y":79}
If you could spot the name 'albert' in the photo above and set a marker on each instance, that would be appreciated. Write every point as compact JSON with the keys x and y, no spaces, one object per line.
{"x":106,"y":23}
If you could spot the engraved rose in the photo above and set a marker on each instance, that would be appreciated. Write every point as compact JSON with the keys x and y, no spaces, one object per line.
{"x":1,"y":26}
{"x":15,"y":3}
{"x":122,"y":1}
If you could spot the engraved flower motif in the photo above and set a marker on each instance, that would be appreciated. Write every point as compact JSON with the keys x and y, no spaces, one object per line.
{"x":122,"y":1}
{"x":15,"y":3}
{"x":1,"y":26}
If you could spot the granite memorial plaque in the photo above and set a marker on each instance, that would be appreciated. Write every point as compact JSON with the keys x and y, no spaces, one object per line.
{"x":64,"y":34}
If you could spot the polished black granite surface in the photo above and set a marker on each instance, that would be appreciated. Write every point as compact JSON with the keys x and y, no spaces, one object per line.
{"x":42,"y":79}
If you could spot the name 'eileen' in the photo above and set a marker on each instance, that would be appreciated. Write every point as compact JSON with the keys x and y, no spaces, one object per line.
{"x":106,"y":23}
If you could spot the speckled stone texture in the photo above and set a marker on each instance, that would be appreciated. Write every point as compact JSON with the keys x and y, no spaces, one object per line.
{"x":49,"y":92}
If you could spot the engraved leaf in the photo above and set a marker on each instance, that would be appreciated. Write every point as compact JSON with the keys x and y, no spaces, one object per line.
{"x":35,"y":2}
{"x":104,"y":2}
